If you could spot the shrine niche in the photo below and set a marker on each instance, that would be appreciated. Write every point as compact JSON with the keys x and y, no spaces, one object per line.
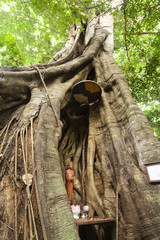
{"x":73,"y":146}
{"x":80,"y":102}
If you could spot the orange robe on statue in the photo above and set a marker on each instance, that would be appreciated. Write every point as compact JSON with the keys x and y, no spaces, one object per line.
{"x":69,"y":174}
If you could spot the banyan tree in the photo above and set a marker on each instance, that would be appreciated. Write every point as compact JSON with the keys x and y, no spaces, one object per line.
{"x":43,"y":128}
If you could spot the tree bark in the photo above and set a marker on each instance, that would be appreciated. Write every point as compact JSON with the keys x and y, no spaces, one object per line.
{"x":109,"y":143}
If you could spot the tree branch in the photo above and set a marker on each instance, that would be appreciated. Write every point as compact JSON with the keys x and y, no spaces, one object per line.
{"x":145,"y":33}
{"x":149,"y":10}
{"x":30,"y":75}
{"x":96,"y":6}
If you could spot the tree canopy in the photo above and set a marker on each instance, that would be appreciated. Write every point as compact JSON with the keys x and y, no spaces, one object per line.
{"x":32,"y":31}
{"x":138,"y":55}
{"x":39,"y":28}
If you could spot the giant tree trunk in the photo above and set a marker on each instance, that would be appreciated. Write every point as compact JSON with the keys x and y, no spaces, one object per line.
{"x":108,"y":142}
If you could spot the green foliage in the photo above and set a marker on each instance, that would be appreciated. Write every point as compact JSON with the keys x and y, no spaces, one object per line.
{"x":41,"y":27}
{"x":137,"y":52}
{"x":35,"y":39}
{"x":10,"y":52}
{"x":152,"y":112}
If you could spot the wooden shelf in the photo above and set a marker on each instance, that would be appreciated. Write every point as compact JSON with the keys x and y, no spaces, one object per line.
{"x":93,"y":221}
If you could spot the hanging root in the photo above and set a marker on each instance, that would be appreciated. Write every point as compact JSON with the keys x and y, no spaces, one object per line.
{"x":25,"y":219}
{"x":5,"y":137}
{"x":47,"y":94}
{"x":30,"y":206}
{"x":21,"y":151}
{"x":117,"y":206}
{"x":83,"y":169}
{"x":77,"y":156}
{"x":3,"y":130}
{"x":15,"y":198}
{"x":92,"y":196}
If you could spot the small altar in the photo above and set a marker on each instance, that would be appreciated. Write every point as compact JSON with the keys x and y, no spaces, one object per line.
{"x":86,"y":230}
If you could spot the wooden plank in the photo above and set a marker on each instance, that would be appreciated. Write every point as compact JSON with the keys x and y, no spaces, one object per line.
{"x":92,"y":221}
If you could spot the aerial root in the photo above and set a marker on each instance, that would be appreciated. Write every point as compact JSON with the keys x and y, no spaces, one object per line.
{"x":47,"y":94}
{"x":15,"y":196}
{"x":83,"y":169}
{"x":3,"y":130}
{"x":117,"y":208}
{"x":92,"y":196}
{"x":77,"y":156}
{"x":30,"y":206}
{"x":6,"y":128}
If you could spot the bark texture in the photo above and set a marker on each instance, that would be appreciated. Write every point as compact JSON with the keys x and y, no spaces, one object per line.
{"x":43,"y":129}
